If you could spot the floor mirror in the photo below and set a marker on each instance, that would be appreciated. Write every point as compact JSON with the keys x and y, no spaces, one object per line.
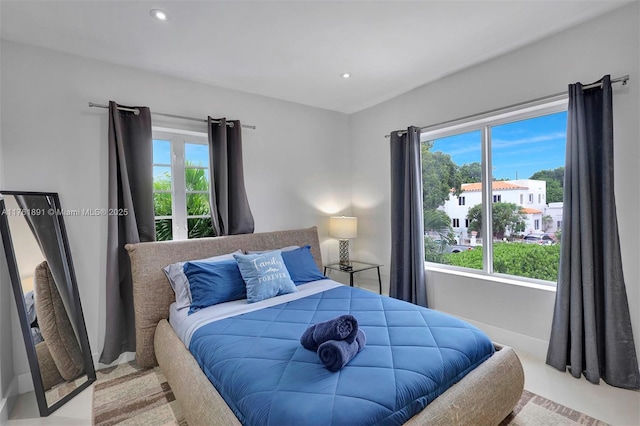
{"x":47,"y":299}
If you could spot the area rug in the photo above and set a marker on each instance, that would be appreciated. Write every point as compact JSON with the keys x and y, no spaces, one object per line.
{"x":535,"y":410}
{"x":128,"y":395}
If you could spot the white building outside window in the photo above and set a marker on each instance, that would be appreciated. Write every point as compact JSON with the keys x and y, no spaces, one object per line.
{"x":499,"y":149}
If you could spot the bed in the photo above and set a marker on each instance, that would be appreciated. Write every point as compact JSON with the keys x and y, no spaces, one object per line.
{"x":485,"y":394}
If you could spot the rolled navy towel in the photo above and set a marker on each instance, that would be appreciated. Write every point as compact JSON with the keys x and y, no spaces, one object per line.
{"x":344,"y":327}
{"x":335,"y":354}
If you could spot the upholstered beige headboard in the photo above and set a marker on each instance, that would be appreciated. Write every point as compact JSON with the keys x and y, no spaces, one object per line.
{"x":152,"y":293}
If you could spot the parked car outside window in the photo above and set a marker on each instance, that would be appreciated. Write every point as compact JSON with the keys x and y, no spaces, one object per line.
{"x":542,"y":239}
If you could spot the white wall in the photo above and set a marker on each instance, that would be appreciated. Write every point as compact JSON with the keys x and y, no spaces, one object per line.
{"x":6,"y":353}
{"x":606,"y":45}
{"x":296,"y":162}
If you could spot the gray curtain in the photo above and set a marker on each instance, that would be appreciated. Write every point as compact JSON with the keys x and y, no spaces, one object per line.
{"x":130,"y":188}
{"x":591,"y":330}
{"x":230,"y":212}
{"x":48,"y":234}
{"x":407,"y":222}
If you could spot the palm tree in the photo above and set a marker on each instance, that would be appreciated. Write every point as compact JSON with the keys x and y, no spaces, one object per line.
{"x":197,"y":187}
{"x":438,"y":222}
{"x":198,"y":203}
{"x":162,"y":206}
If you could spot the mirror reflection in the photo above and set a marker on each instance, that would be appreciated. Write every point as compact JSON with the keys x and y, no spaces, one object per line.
{"x":50,"y":314}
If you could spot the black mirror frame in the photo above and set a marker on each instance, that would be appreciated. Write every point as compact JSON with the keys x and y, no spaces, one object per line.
{"x":44,"y":408}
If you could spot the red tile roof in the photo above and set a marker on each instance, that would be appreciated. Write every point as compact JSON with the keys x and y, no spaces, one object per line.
{"x":527,"y":210}
{"x":495,"y":185}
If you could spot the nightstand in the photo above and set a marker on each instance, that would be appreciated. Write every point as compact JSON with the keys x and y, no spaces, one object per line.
{"x":353,"y":267}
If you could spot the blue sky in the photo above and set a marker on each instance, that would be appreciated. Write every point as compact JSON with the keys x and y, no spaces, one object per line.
{"x":197,"y":154}
{"x":519,"y":149}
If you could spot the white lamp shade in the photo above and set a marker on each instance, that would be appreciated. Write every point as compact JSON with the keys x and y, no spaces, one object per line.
{"x":343,"y":227}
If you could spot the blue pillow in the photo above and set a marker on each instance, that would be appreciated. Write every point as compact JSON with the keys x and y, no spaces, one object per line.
{"x":301,"y":266}
{"x":265,"y":275}
{"x":180,"y":283}
{"x":213,"y":283}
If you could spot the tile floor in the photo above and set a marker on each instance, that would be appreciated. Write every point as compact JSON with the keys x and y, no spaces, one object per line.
{"x":606,"y":403}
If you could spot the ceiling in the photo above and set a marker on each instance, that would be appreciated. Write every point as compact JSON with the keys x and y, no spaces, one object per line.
{"x":296,"y":50}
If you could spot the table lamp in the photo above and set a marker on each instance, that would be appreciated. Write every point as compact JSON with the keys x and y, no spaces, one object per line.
{"x":343,"y":228}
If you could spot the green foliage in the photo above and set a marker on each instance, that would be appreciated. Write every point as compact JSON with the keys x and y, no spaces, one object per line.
{"x":195,"y":179}
{"x":506,"y":217}
{"x":556,"y":174}
{"x":433,"y":250}
{"x":437,"y":221}
{"x":200,"y":227}
{"x":162,"y":207}
{"x":555,"y":183}
{"x":470,"y":172}
{"x":197,"y":204}
{"x":467,"y":259}
{"x":164,"y":231}
{"x":523,"y":260}
{"x":439,"y":176}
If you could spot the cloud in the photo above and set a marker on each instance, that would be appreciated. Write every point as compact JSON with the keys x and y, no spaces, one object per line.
{"x":498,"y":143}
{"x":507,"y":143}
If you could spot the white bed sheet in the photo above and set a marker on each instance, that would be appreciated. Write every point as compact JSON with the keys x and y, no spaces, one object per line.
{"x":185,"y":325}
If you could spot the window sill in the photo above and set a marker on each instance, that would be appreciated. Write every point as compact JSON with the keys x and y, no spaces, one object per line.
{"x":480,"y":275}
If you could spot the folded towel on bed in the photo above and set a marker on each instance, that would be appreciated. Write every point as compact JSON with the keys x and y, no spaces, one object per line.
{"x":335,"y":354}
{"x":344,"y":327}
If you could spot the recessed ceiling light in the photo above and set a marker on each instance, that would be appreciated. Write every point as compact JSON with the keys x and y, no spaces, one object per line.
{"x":159,"y":14}
{"x":345,"y":75}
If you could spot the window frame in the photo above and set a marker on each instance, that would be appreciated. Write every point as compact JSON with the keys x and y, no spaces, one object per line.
{"x":178,"y":139}
{"x":483,"y":124}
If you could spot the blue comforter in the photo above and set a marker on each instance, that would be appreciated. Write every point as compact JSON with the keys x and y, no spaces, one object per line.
{"x":412,"y":355}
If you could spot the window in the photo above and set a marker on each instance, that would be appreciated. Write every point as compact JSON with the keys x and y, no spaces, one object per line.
{"x":181,"y":185}
{"x":521,"y":153}
{"x":559,"y":224}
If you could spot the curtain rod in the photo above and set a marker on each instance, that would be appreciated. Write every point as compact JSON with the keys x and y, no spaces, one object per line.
{"x":622,"y":80}
{"x":136,"y":112}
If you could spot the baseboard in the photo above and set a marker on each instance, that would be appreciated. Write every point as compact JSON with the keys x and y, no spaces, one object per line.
{"x":518,"y":341}
{"x":9,"y":401}
{"x":25,"y":383}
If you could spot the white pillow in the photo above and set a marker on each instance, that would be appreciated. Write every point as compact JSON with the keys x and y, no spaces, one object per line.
{"x":180,"y":283}
{"x":288,"y":248}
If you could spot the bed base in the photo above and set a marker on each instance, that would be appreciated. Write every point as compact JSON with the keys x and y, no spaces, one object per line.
{"x":485,"y":396}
